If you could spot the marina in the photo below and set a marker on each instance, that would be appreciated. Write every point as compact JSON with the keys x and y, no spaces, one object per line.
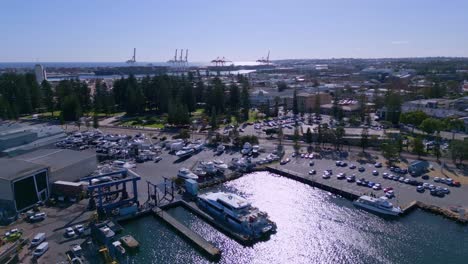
{"x":322,"y":222}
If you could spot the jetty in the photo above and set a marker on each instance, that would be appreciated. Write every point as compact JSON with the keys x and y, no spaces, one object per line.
{"x":190,"y":235}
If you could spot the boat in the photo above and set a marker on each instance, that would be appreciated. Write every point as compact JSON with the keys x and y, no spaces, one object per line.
{"x":200,"y":172}
{"x":209,"y":167}
{"x":184,"y":152}
{"x":238,"y":213}
{"x":246,"y":149}
{"x":255,"y":149}
{"x":118,"y":246}
{"x":379,"y":205}
{"x":220,"y":165}
{"x":185,"y":173}
{"x":220,"y":149}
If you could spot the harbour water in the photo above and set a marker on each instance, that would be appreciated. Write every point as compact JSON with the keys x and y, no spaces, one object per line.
{"x":313,"y":227}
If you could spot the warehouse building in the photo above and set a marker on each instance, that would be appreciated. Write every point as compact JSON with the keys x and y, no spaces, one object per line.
{"x":22,"y":185}
{"x":27,"y":179}
{"x":63,"y":164}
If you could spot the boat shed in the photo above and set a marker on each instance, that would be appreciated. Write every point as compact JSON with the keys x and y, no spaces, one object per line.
{"x":22,"y":185}
{"x":418,"y":167}
{"x":64,"y":164}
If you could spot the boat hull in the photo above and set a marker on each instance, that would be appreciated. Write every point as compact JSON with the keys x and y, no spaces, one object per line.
{"x":377,"y":210}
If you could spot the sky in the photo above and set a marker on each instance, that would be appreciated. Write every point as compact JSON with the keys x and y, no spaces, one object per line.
{"x":241,"y":30}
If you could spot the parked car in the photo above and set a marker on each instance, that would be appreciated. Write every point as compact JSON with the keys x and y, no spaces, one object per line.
{"x":361,"y":169}
{"x":158,"y":159}
{"x":41,"y":249}
{"x":69,"y":232}
{"x":37,"y":217}
{"x":38,"y":239}
{"x":375,"y":173}
{"x":378,"y":165}
{"x":312,"y":172}
{"x":420,"y":189}
{"x":352,"y":166}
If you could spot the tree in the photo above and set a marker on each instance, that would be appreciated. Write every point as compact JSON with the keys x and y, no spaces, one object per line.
{"x":47,"y":96}
{"x":431,"y":125}
{"x":339,"y":134}
{"x":418,"y":146}
{"x":245,"y":101}
{"x":281,"y":86}
{"x":295,"y":106}
{"x":455,"y":125}
{"x":389,"y":151}
{"x":296,"y":140}
{"x":95,"y":120}
{"x":234,"y":100}
{"x":364,"y":138}
{"x":309,"y":136}
{"x":71,"y":108}
{"x":280,"y":135}
{"x":459,"y":150}
{"x":276,"y":108}
{"x":213,"y":120}
{"x":414,"y":118}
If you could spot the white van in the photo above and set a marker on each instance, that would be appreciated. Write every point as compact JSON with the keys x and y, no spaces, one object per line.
{"x":41,"y":249}
{"x":38,"y":239}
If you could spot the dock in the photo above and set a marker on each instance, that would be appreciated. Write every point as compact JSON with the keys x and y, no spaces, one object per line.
{"x":193,"y":237}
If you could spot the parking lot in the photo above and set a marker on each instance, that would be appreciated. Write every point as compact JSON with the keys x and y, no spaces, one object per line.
{"x":57,"y":220}
{"x":404,"y":193}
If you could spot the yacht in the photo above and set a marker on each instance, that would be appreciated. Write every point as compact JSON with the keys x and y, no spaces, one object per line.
{"x":209,"y":167}
{"x":200,"y":172}
{"x":185,"y":173}
{"x":255,"y":149}
{"x":379,"y":205}
{"x":246,"y":149}
{"x":184,"y":152}
{"x":238,"y":213}
{"x":220,"y":165}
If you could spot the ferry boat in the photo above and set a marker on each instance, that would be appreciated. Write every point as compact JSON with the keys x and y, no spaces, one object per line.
{"x":184,"y":152}
{"x":185,"y":173}
{"x":238,"y":213}
{"x":378,"y":205}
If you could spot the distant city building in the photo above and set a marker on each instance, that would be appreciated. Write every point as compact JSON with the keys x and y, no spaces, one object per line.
{"x":40,"y":73}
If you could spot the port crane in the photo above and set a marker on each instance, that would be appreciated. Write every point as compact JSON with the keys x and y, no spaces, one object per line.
{"x":263,"y":60}
{"x":220,"y":61}
{"x":133,"y":59}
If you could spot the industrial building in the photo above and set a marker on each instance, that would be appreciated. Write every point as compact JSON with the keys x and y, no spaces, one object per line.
{"x":27,"y":179}
{"x":22,"y":185}
{"x":17,"y":138}
{"x":63,"y":164}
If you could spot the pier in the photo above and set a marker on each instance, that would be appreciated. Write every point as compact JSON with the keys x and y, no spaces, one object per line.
{"x":195,"y":238}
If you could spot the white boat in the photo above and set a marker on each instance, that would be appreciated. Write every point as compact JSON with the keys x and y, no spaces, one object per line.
{"x":209,"y":167}
{"x":246,"y":149}
{"x":220,"y":165}
{"x":238,"y":213}
{"x":255,"y":149}
{"x":185,"y":173}
{"x":184,"y":152}
{"x":200,"y":172}
{"x":379,"y":205}
{"x":117,"y":245}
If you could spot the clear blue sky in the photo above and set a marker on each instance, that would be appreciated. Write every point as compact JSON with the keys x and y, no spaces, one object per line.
{"x":241,"y":30}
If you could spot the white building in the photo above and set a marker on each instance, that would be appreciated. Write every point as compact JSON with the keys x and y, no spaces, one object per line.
{"x":40,"y":73}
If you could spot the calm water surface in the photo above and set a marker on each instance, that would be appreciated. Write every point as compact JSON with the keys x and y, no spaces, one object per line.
{"x":313,"y":227}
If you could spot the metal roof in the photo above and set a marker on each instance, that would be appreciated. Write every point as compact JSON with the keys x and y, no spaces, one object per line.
{"x":12,"y":169}
{"x":56,"y":159}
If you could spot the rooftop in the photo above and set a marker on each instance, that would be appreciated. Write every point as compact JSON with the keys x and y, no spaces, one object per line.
{"x":56,"y":159}
{"x":13,"y":169}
